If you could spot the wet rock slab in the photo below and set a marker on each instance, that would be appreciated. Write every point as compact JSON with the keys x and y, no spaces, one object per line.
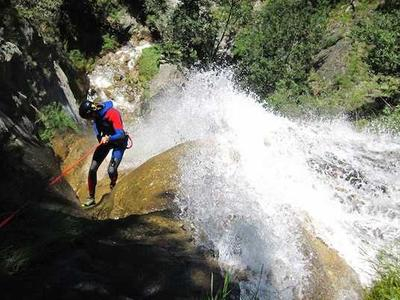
{"x":139,"y":257}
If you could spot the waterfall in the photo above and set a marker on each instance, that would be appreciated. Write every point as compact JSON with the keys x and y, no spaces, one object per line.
{"x":266,"y":178}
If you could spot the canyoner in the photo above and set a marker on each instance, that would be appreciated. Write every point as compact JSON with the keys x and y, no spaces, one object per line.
{"x":110,"y":133}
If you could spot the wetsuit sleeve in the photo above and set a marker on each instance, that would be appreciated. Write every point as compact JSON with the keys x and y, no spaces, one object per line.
{"x":97,"y":132}
{"x":114,"y":117}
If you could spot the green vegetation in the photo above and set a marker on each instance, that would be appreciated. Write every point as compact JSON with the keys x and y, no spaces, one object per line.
{"x":110,"y":43}
{"x":53,"y":118}
{"x":198,"y":30}
{"x":222,"y":293}
{"x":43,"y":15}
{"x":148,"y":63}
{"x":80,"y":61}
{"x":148,"y":66}
{"x":157,"y":15}
{"x":381,"y":33}
{"x":191,"y":32}
{"x":86,"y":63}
{"x":299,"y":56}
{"x":387,"y":284}
{"x":277,"y":48}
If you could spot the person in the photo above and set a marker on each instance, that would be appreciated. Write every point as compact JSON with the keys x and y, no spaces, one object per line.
{"x":109,"y":129}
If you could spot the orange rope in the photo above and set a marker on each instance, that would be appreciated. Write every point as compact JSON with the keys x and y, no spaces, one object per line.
{"x":72,"y":166}
{"x":52,"y":181}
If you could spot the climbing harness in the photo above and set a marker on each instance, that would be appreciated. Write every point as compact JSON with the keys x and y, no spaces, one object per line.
{"x":130,"y":143}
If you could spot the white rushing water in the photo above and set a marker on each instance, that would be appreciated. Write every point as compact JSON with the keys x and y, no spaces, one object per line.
{"x":264,"y":178}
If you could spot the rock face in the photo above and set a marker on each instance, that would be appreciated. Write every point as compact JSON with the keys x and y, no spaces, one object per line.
{"x":331,"y":277}
{"x":138,"y":257}
{"x":168,"y":76}
{"x":48,"y":251}
{"x":32,"y":74}
{"x":151,"y":188}
{"x":332,"y":62}
{"x":146,"y":254}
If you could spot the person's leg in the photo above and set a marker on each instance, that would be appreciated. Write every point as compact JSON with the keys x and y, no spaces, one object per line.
{"x":98,"y":156}
{"x":116,"y":158}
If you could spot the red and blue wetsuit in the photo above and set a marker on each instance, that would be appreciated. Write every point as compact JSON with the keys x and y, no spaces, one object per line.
{"x":108,"y":122}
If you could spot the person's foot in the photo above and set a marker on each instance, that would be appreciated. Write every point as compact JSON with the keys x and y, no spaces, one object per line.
{"x":112,"y":185}
{"x":89,"y":202}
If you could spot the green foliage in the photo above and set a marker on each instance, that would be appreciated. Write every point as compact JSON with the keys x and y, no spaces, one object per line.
{"x":387,"y":120}
{"x":390,"y":4}
{"x":230,"y":16}
{"x":156,"y":15}
{"x":279,"y":45}
{"x":382,"y":33}
{"x":223,"y":293}
{"x":346,"y":91}
{"x":192,"y":30}
{"x":110,"y":43}
{"x":198,"y":29}
{"x":80,"y":62}
{"x":43,"y":14}
{"x":53,"y":119}
{"x":387,"y":285}
{"x":148,"y":64}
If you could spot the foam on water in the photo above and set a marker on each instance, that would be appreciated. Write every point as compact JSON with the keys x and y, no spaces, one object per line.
{"x":265,"y":177}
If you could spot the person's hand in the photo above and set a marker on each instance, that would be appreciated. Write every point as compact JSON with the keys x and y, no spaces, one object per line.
{"x":105,"y":139}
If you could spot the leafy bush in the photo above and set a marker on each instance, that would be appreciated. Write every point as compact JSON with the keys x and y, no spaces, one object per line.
{"x":53,"y":118}
{"x":198,"y":29}
{"x":382,"y":34}
{"x":280,"y":44}
{"x":388,"y":119}
{"x":192,"y":30}
{"x":109,"y":43}
{"x":156,"y":15}
{"x":80,"y":62}
{"x":148,"y":64}
{"x":43,"y":14}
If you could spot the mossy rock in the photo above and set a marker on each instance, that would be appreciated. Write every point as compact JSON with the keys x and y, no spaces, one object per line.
{"x":149,"y":188}
{"x":331,"y":277}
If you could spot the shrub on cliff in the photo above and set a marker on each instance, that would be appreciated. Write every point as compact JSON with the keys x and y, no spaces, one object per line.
{"x":279,"y":45}
{"x":53,"y":118}
{"x":148,"y":66}
{"x":382,"y":34}
{"x":192,"y":32}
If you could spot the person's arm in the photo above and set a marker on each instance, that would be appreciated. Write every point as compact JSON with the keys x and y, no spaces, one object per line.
{"x":114,"y":117}
{"x":96,"y":131}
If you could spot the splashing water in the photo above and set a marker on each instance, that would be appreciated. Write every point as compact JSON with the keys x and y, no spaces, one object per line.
{"x":264,"y":178}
